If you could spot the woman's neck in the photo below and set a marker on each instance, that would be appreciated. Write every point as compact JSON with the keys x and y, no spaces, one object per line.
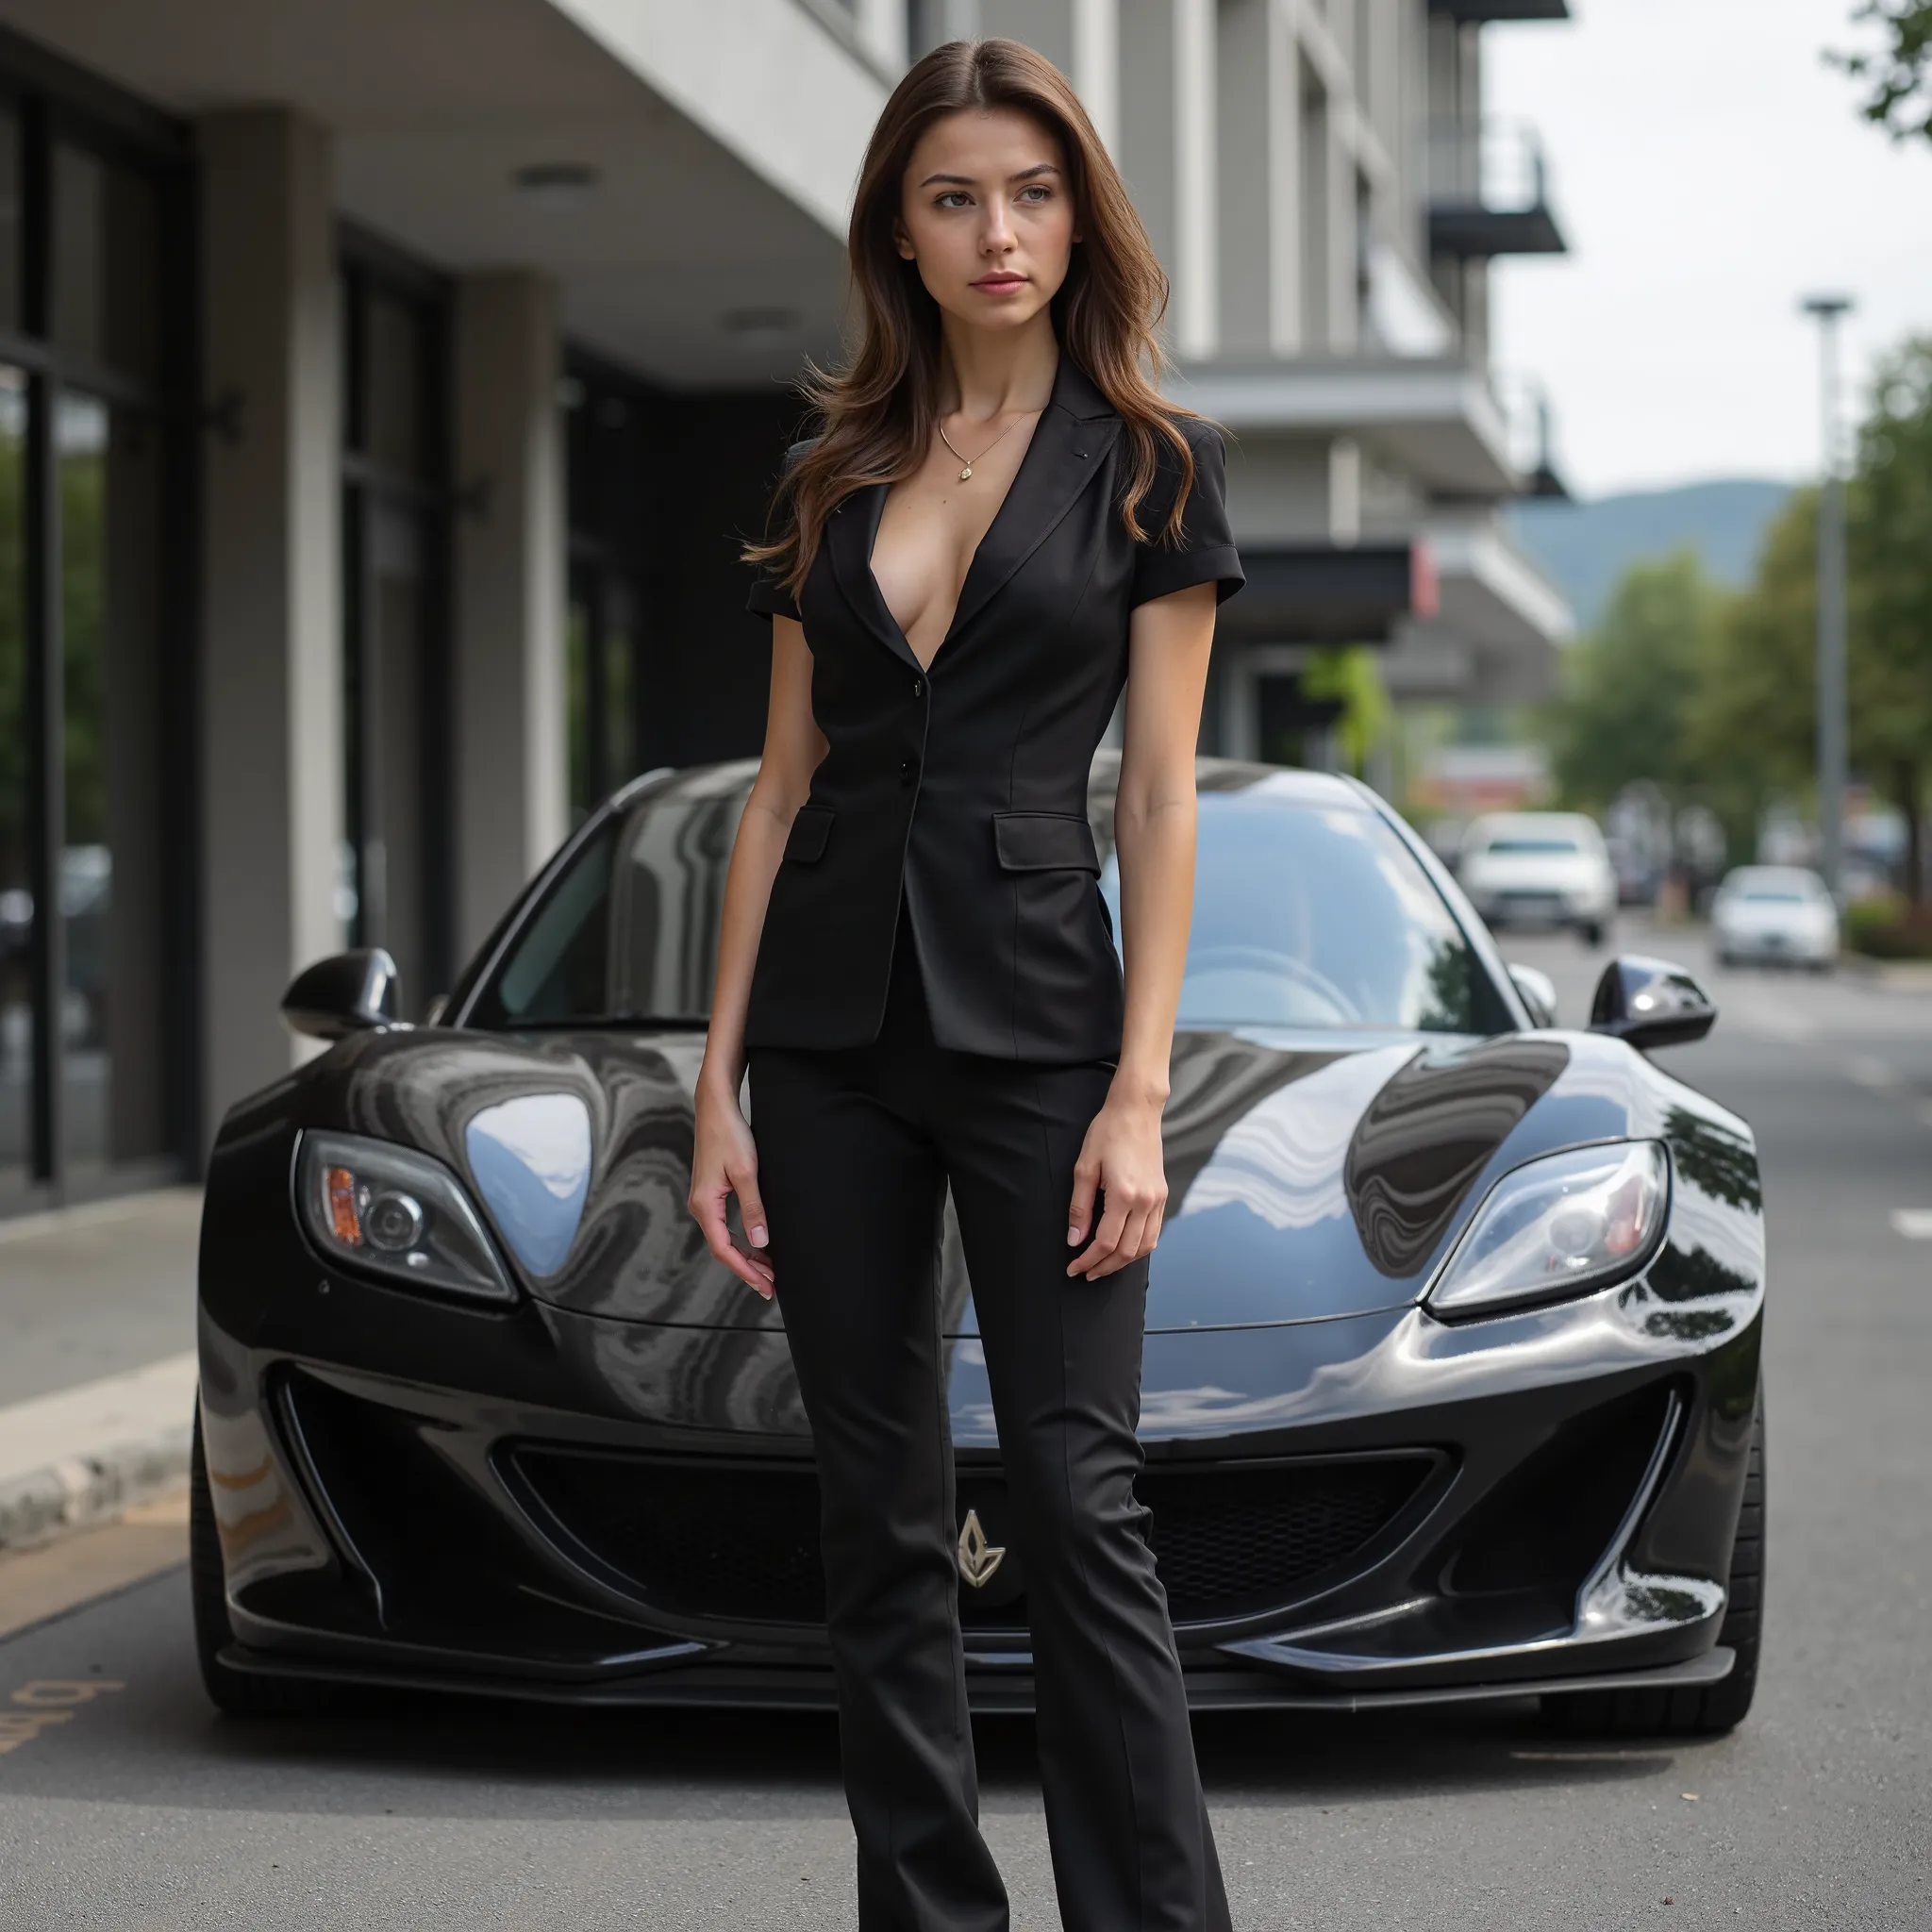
{"x":984,"y":372}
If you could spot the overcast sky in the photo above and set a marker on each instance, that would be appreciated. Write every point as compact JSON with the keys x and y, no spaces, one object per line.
{"x":1708,"y":170}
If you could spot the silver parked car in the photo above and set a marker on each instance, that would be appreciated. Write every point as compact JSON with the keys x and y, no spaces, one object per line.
{"x":1775,"y":915}
{"x":1539,"y":868}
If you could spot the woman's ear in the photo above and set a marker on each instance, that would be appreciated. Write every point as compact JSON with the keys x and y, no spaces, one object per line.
{"x":902,"y":241}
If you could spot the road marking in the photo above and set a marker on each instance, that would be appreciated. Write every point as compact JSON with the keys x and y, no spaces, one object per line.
{"x":48,"y":1701}
{"x":1871,"y":1073}
{"x":1915,"y":1224}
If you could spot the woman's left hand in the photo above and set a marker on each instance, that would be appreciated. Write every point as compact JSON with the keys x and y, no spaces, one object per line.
{"x":1121,"y":1160}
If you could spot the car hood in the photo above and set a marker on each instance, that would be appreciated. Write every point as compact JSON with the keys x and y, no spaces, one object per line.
{"x":1310,"y":1175}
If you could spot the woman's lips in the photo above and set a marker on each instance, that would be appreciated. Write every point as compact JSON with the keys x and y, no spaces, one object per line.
{"x":1000,"y":285}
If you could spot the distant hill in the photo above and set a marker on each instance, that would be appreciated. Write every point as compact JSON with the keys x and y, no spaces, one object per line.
{"x":1585,"y":547}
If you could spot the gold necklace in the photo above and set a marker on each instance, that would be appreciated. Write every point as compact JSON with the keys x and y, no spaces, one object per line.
{"x":967,"y":463}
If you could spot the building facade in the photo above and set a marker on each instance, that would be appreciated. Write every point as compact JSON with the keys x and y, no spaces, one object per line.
{"x":385,"y":391}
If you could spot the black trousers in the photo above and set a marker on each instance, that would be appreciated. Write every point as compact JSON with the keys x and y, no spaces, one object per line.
{"x":855,"y":1149}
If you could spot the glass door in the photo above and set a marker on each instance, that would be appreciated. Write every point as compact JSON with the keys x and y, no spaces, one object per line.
{"x":396,"y":849}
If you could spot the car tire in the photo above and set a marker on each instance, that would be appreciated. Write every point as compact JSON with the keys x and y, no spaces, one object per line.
{"x":1705,"y":1710}
{"x":1592,"y":933}
{"x":235,"y":1693}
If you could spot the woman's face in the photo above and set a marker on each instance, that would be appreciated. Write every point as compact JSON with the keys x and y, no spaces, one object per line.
{"x":987,"y":213}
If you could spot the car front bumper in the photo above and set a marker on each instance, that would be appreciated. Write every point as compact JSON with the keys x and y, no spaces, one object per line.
{"x":1571,"y":1482}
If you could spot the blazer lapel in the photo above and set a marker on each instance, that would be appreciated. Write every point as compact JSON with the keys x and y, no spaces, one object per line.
{"x":849,"y":533}
{"x":1069,"y":449}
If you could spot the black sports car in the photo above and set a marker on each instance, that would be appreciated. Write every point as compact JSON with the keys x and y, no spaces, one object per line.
{"x":1452,"y":1363}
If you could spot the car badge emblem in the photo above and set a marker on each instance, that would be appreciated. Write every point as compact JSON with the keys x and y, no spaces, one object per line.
{"x":979,"y":1558}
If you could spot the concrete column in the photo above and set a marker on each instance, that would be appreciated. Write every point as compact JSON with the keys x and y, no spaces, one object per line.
{"x":271,"y":774}
{"x":1196,"y":280}
{"x":1258,"y":169}
{"x":1146,"y":102}
{"x":511,"y":756}
{"x":1343,"y":230}
{"x":1096,"y":69}
{"x":882,"y":26}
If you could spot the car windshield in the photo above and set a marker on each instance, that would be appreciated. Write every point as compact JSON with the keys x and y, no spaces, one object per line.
{"x":1518,"y":845}
{"x":1306,"y":915}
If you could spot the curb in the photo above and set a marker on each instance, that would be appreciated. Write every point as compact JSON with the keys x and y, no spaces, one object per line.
{"x":80,"y":1489}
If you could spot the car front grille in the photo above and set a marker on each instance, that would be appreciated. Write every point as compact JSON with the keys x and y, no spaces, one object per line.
{"x":740,"y":1541}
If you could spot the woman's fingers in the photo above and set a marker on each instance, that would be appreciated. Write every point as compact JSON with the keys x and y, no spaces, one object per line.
{"x":1080,"y":1209}
{"x":707,"y":1208}
{"x":1127,"y":1230}
{"x":750,"y":1210}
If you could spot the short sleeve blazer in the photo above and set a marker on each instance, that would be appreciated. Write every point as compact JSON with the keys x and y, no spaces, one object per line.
{"x":963,"y":788}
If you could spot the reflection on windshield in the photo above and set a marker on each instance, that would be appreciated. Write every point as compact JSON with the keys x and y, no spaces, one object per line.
{"x":1318,"y":917}
{"x":1305,"y":916}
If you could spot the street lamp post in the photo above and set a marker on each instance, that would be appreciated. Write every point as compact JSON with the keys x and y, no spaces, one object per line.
{"x":1830,"y":311}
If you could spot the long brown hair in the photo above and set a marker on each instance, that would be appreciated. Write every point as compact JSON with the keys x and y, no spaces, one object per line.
{"x":878,"y":416}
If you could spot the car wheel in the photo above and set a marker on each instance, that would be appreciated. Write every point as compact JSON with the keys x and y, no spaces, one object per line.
{"x":1591,"y":932}
{"x":1698,"y":1710}
{"x":236,"y":1693}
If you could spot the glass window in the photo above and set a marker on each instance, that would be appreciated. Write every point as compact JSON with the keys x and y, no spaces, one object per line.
{"x":9,"y":222}
{"x":106,"y":262}
{"x":394,"y":399}
{"x":16,"y":897}
{"x":110,"y":880}
{"x":630,"y":933}
{"x":1320,"y":917}
{"x":1347,"y":930}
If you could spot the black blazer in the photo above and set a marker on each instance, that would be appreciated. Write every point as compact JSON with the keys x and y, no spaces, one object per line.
{"x":966,"y":786}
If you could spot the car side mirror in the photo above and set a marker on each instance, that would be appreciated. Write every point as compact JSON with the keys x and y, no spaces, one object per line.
{"x":348,"y":992}
{"x":1539,"y":992}
{"x":1649,"y":1003}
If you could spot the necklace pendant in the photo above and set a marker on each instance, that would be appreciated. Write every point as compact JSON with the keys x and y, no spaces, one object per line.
{"x":966,"y":475}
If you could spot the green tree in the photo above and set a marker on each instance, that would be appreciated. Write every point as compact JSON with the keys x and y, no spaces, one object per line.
{"x":1750,"y":723}
{"x":1897,"y":77}
{"x":1627,"y":685}
{"x":1889,"y":540}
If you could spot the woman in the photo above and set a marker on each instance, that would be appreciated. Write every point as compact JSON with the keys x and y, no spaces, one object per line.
{"x":999,"y":524}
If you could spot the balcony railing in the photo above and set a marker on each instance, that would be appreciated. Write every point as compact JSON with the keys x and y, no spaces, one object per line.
{"x":1526,"y":407}
{"x":1489,"y":190}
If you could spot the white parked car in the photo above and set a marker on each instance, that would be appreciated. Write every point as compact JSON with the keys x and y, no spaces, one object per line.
{"x":1539,"y":868}
{"x":1774,"y":914}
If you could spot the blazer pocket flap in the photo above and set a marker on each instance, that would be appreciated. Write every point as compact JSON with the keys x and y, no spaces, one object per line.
{"x":810,"y":827}
{"x":1044,"y":842}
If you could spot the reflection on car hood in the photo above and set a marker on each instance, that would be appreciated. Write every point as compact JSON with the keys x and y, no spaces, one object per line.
{"x":1309,"y":1175}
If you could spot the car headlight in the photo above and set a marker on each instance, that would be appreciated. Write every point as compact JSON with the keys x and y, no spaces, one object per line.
{"x":390,"y":1212}
{"x":1564,"y":1224}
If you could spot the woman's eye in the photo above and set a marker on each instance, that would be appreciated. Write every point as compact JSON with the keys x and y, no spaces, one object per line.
{"x":953,"y":197}
{"x":1036,"y":194}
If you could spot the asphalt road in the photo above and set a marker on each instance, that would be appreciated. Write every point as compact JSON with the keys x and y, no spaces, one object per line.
{"x":140,"y":1808}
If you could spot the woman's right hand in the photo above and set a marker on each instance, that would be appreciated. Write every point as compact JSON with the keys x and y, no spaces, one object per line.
{"x":724,"y":1161}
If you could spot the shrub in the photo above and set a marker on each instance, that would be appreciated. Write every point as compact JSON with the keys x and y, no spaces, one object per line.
{"x":1889,"y":928}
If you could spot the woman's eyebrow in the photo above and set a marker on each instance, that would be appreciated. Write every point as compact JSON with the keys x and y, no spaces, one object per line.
{"x":1039,"y":168}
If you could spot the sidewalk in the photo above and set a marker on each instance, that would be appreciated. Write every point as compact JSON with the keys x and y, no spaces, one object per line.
{"x":96,"y":1360}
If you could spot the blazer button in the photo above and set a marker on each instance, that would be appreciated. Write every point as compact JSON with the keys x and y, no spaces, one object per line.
{"x":909,"y":769}
{"x":919,"y":687}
